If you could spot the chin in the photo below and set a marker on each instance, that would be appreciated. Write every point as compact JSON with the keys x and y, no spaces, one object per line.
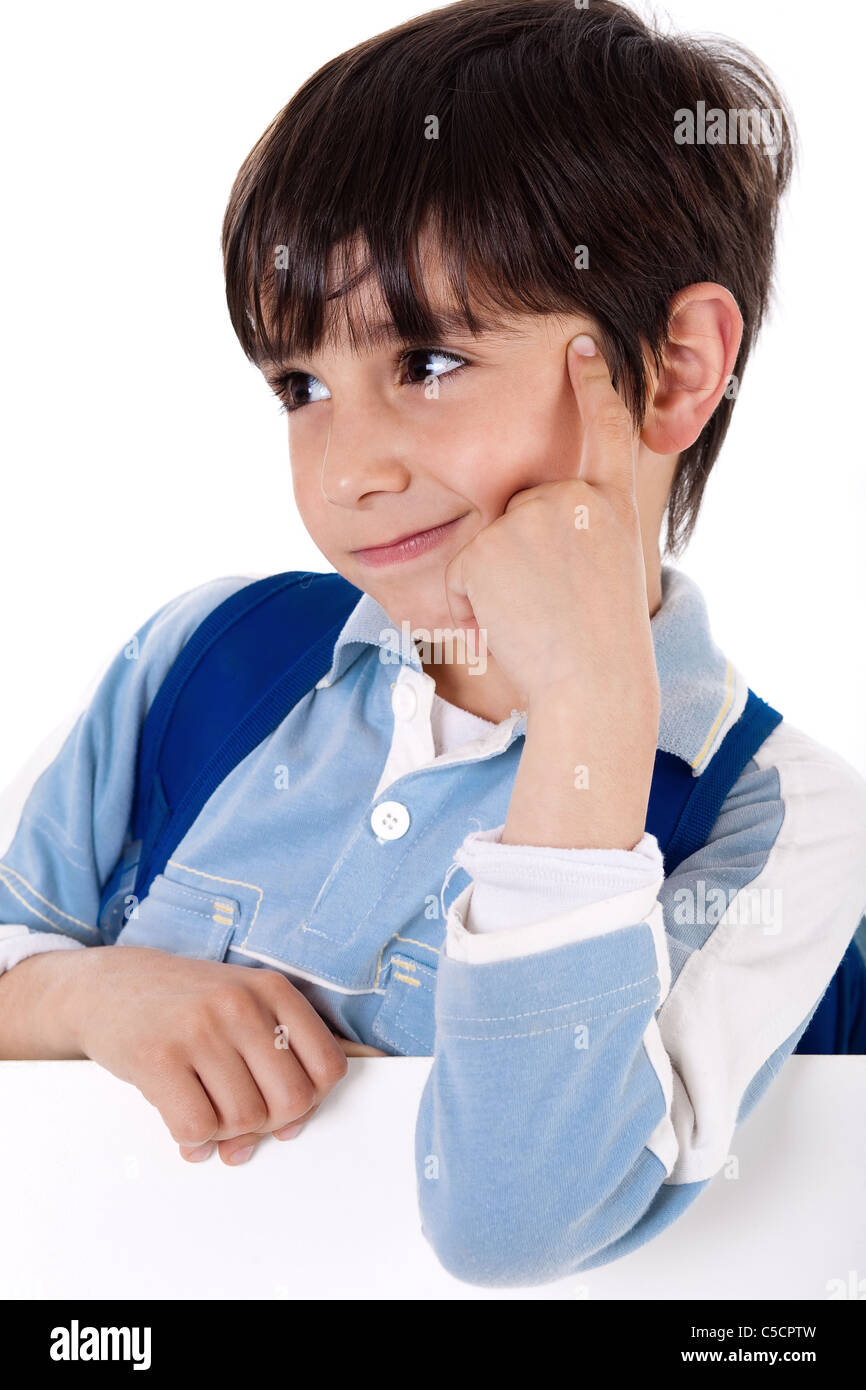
{"x":420,"y":602}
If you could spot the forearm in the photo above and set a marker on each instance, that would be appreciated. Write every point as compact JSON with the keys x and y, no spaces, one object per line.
{"x":39,"y":1002}
{"x":585,"y":774}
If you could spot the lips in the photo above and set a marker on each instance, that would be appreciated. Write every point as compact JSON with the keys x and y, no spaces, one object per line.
{"x":407,"y":547}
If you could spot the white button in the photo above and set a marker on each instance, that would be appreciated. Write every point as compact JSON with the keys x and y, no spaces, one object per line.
{"x":390,"y":820}
{"x":404,"y":702}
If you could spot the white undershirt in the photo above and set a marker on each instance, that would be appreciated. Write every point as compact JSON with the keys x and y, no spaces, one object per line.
{"x":453,"y":726}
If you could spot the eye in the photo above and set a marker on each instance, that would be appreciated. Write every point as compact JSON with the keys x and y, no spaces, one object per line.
{"x":300,"y":388}
{"x":297,"y":389}
{"x":418,"y":362}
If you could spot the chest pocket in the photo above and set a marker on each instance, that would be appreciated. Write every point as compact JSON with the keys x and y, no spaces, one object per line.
{"x":405,"y":1022}
{"x":185,"y":920}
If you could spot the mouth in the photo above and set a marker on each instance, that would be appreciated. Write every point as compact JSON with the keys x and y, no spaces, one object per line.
{"x":407,"y":547}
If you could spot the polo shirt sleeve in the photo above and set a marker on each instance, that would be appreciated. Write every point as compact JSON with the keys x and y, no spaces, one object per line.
{"x":584,"y":1091}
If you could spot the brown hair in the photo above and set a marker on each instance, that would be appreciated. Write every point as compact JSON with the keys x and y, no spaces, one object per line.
{"x":555,"y":130}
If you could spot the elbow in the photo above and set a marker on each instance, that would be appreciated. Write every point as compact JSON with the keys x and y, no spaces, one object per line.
{"x":494,"y":1253}
{"x":505,"y":1235}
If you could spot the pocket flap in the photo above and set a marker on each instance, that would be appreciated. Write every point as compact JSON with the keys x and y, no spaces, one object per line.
{"x":182,"y":919}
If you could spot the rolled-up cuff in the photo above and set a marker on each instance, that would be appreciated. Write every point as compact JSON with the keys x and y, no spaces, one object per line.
{"x":19,"y":942}
{"x":526,"y":898}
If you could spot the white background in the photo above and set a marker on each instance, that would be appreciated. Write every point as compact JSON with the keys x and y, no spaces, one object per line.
{"x":334,"y":1214}
{"x":144,"y":455}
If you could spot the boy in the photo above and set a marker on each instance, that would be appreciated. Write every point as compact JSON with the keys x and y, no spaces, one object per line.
{"x":498,"y":199}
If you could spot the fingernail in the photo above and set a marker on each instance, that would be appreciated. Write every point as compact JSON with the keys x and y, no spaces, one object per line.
{"x":241,"y":1155}
{"x":288,"y":1131}
{"x":202,"y":1152}
{"x":584,"y":345}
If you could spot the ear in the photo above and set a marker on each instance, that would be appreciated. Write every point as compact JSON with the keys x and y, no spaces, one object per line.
{"x":706,"y":328}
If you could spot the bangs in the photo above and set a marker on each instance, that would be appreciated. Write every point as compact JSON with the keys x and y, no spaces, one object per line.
{"x":439,"y":255}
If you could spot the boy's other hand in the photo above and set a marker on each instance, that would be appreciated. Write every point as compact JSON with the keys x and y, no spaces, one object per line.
{"x":226,"y":1053}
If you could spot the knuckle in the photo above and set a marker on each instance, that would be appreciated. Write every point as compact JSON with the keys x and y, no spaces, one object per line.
{"x":231,"y":1002}
{"x":299,"y":1096}
{"x":273,"y":985}
{"x":247,"y":1119}
{"x":330,"y":1067}
{"x":197,"y":1028}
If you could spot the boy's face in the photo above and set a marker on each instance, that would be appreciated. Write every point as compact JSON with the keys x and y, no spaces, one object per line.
{"x":379,"y":453}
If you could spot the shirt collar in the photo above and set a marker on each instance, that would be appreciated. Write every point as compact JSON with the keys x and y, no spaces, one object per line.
{"x":702,"y":692}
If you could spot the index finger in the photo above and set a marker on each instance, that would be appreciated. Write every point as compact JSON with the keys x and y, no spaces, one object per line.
{"x":608,"y":449}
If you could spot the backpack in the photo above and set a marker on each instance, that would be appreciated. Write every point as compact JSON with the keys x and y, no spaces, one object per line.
{"x":251,"y":660}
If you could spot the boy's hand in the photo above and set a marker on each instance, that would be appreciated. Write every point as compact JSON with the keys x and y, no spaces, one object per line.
{"x":557,"y":581}
{"x":226,"y":1054}
{"x":559,"y":585}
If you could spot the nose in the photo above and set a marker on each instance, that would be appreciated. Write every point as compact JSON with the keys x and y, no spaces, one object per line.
{"x":365,"y":452}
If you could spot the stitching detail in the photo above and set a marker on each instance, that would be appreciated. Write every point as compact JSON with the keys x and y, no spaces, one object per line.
{"x":729,"y":695}
{"x":47,"y":901}
{"x":390,"y":1029}
{"x":200,"y":914}
{"x":401,"y":1028}
{"x":532,"y":1013}
{"x":408,"y":979}
{"x":165,"y":886}
{"x":239,"y":882}
{"x":538,"y":1032}
{"x":410,"y":941}
{"x":331,"y":878}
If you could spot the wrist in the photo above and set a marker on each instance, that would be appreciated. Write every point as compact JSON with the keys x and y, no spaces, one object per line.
{"x":41,"y":998}
{"x":70,"y":994}
{"x":584,"y":776}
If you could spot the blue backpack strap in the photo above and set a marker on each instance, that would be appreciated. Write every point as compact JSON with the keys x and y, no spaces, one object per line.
{"x":839,"y":1022}
{"x":240,"y":673}
{"x":700,"y":810}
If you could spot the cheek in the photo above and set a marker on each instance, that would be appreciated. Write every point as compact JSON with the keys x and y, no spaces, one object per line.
{"x":315,"y":512}
{"x":307,"y":490}
{"x":501,"y":452}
